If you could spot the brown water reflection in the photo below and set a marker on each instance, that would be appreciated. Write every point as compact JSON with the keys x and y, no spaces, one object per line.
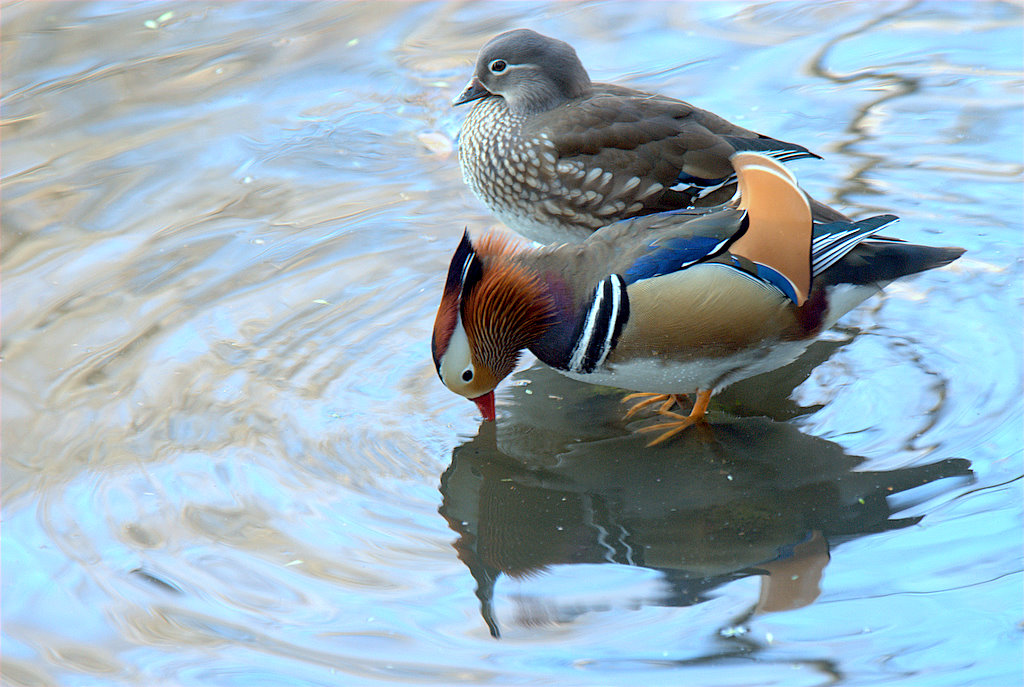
{"x":742,"y":497}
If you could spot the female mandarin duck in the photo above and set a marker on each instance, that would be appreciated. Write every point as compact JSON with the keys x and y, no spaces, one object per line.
{"x":671,"y":303}
{"x":555,"y":156}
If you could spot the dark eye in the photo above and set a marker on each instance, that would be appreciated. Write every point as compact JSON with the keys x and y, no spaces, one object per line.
{"x":467,"y":374}
{"x":497,"y":66}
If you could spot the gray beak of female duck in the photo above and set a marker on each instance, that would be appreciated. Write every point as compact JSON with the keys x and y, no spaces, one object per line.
{"x":474,"y":90}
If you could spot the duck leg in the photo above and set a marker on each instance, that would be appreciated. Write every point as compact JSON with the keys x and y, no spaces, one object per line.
{"x":667,"y":401}
{"x":681,"y":422}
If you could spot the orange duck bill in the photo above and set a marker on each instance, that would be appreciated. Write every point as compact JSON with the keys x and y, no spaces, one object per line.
{"x":486,"y":405}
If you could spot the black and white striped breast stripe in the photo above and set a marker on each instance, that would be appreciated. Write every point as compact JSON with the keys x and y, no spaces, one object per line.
{"x":607,"y":315}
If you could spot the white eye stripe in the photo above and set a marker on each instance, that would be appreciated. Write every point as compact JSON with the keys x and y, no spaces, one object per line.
{"x":456,"y":359}
{"x":509,"y":66}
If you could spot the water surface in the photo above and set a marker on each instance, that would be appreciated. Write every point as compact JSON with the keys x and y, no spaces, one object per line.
{"x":227,"y":458}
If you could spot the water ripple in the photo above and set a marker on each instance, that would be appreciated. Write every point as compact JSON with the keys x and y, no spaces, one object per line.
{"x":225,"y":233}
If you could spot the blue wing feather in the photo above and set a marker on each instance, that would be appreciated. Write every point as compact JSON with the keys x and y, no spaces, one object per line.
{"x":672,"y":255}
{"x":768,"y":275}
{"x":778,"y":280}
{"x":831,"y":241}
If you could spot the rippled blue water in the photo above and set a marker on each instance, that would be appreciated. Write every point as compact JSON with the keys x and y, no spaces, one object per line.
{"x":227,"y":458}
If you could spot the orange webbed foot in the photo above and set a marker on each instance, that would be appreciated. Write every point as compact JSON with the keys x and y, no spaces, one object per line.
{"x":680,"y":422}
{"x":666,"y":400}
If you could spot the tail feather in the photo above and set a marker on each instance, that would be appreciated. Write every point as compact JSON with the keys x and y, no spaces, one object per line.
{"x":884,"y":260}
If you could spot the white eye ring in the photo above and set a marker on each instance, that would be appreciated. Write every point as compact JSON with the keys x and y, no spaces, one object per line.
{"x":497,"y":66}
{"x":467,"y":375}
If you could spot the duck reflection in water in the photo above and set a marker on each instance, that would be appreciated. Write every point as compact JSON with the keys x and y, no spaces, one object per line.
{"x":747,"y":496}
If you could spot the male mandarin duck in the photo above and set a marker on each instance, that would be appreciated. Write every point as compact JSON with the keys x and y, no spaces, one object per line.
{"x":555,"y":156}
{"x":679,"y":302}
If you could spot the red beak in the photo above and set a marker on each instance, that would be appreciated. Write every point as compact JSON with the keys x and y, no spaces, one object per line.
{"x":486,"y":405}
